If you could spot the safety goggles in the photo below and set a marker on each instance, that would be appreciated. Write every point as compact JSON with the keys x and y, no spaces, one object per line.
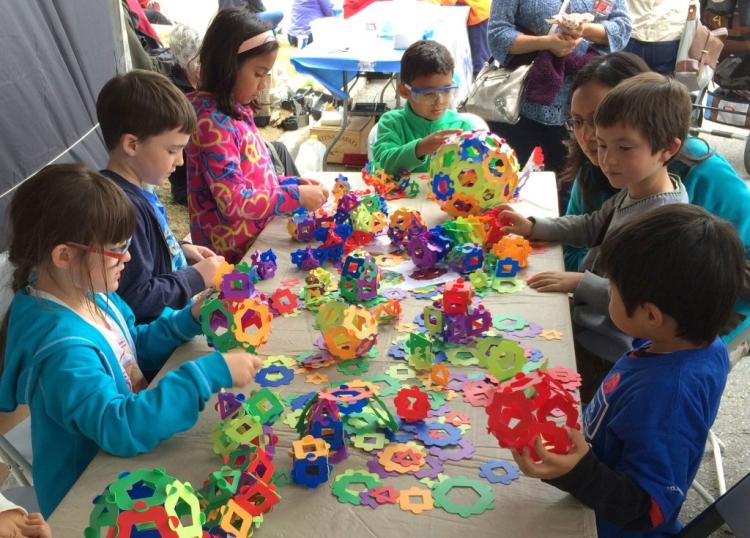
{"x":433,"y":94}
{"x":118,"y":253}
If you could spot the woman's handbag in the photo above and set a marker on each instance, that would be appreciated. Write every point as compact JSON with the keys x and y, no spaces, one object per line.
{"x":698,"y":52}
{"x":496,"y":93}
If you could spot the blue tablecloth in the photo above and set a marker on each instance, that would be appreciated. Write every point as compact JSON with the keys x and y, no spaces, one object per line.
{"x":351,"y":46}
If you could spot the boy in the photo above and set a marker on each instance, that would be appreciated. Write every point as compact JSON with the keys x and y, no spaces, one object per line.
{"x":640,"y":126}
{"x":649,"y":421}
{"x":146,"y":122}
{"x":409,"y":135}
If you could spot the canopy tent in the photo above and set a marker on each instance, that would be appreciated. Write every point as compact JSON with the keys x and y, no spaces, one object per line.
{"x":56,"y":56}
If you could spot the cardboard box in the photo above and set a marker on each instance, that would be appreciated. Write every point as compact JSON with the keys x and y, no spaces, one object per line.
{"x":352,"y":142}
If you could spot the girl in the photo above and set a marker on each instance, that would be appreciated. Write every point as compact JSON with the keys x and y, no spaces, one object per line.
{"x":69,"y":345}
{"x":233,"y":188}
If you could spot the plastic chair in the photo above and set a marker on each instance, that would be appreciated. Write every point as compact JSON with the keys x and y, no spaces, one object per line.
{"x":730,"y":509}
{"x":478,"y":123}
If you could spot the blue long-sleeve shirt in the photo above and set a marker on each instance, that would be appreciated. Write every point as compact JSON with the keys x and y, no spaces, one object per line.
{"x":511,"y":18}
{"x":66,"y":371}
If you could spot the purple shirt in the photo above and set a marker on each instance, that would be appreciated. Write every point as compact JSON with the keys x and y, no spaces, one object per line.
{"x":306,"y":11}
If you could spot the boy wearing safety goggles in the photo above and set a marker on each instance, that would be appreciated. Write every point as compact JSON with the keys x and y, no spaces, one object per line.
{"x":408,"y":136}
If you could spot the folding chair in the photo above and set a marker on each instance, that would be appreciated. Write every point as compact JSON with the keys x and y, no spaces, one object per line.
{"x":730,"y":509}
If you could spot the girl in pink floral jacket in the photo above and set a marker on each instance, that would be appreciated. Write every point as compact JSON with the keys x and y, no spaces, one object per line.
{"x":233,"y":188}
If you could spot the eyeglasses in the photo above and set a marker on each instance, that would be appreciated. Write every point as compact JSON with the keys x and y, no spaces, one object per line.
{"x":433,"y":94}
{"x":118,"y":253}
{"x":574,"y":124}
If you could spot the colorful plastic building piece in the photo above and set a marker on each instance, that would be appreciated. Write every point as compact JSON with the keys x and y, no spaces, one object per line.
{"x":513,"y":246}
{"x":360,"y":278}
{"x":349,"y":331}
{"x":412,"y":404}
{"x":459,"y":163}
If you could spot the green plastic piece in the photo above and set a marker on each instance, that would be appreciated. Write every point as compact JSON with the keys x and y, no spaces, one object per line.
{"x":369,"y":441}
{"x":353,"y":367}
{"x":360,"y":423}
{"x":265,"y":405}
{"x":502,"y":358}
{"x":341,"y":485}
{"x":484,"y":502}
{"x":402,"y":372}
{"x":392,"y":384}
{"x":281,"y":478}
{"x":182,"y":496}
{"x":508,"y":285}
{"x":462,"y":356}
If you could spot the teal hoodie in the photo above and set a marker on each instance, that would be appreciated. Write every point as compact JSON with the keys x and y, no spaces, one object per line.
{"x":399,"y":131}
{"x":64,"y":369}
{"x":711,"y":183}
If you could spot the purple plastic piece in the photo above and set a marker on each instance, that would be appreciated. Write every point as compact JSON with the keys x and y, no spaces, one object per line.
{"x":434,"y":467}
{"x":397,"y":350}
{"x":374,"y":466}
{"x":465,"y":451}
{"x":456,"y":381}
{"x":533,"y":330}
{"x":393,"y":293}
{"x":439,"y":412}
{"x":231,"y":293}
{"x":365,"y":499}
{"x":423,"y":252}
{"x":339,"y":455}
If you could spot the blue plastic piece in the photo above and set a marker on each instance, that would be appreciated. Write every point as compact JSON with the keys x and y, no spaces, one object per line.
{"x":261,"y":377}
{"x":452,"y":434}
{"x":487,"y":471}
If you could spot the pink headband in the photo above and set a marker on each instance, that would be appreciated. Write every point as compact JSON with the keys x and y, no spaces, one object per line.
{"x":256,"y":41}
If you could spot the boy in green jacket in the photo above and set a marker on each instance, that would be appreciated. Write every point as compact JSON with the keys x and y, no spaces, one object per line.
{"x":408,"y":136}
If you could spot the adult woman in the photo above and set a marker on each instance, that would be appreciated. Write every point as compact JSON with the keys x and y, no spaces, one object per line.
{"x":657,"y":27}
{"x":709,"y":179}
{"x":233,"y":187}
{"x":519,"y":27}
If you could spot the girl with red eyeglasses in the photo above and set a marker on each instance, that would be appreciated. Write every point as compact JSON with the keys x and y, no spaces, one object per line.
{"x":69,"y":346}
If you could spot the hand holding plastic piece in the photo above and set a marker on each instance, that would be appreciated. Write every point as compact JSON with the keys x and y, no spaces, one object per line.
{"x":561,"y":44}
{"x":207,"y":268}
{"x":35,"y":527}
{"x":311,"y":197}
{"x":196,"y":253}
{"x":242,"y":366}
{"x":551,"y":281}
{"x":552,"y":465}
{"x":430,"y":143}
{"x":518,"y":223}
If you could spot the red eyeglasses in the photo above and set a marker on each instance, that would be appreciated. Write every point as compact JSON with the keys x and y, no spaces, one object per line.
{"x":118,"y":254}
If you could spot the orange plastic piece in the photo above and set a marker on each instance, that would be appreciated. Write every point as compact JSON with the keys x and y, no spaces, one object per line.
{"x":252,"y":313}
{"x":440,"y":374}
{"x":309,"y":445}
{"x":513,"y":246}
{"x":412,"y":454}
{"x":425,"y":503}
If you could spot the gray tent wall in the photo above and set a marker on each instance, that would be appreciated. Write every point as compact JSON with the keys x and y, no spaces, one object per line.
{"x":55,"y":55}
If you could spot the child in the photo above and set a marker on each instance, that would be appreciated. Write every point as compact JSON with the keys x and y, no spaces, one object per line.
{"x":70,"y":347}
{"x":233,"y":188}
{"x":648,"y":423}
{"x":640,"y":126}
{"x":16,"y":522}
{"x":408,"y":136}
{"x":146,"y":122}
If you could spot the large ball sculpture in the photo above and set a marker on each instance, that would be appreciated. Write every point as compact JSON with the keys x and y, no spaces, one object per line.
{"x":473,"y":171}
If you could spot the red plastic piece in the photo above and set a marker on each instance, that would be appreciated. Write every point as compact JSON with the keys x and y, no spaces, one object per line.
{"x":457,"y":297}
{"x":412,"y":404}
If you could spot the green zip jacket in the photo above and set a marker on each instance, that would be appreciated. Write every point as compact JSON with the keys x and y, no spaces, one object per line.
{"x":400,"y":130}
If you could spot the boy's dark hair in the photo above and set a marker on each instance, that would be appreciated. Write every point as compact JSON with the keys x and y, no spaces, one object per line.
{"x":218,"y":56}
{"x":425,"y":58}
{"x":142,"y":103}
{"x":682,"y":259}
{"x":657,"y":106}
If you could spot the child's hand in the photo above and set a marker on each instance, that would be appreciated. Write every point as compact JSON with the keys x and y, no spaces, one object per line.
{"x":552,"y":465}
{"x":35,"y":527}
{"x":311,"y":197}
{"x":196,"y":253}
{"x":518,"y":223}
{"x":561,"y":45}
{"x":565,"y":282}
{"x":11,"y":523}
{"x":242,"y":366}
{"x":433,"y":141}
{"x":195,"y":310}
{"x":308,"y":181}
{"x":207,"y":268}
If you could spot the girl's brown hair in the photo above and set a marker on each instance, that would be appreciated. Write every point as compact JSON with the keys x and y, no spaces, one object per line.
{"x":218,"y":56}
{"x":62,"y":203}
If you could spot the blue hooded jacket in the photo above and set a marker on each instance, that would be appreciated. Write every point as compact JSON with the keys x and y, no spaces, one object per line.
{"x":64,"y":369}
